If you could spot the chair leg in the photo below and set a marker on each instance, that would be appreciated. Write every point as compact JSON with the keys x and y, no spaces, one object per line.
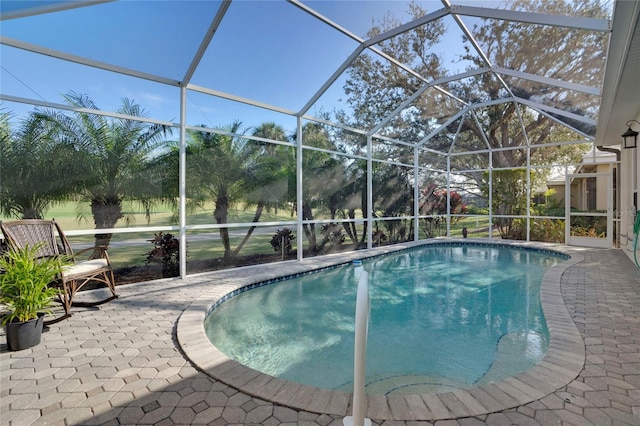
{"x":57,"y":319}
{"x":111,"y":282}
{"x":99,"y":302}
{"x":108,"y":279}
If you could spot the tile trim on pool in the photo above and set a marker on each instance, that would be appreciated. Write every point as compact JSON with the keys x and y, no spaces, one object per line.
{"x":562,"y":363}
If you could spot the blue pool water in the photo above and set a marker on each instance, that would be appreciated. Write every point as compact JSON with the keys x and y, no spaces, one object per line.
{"x":442,"y":317}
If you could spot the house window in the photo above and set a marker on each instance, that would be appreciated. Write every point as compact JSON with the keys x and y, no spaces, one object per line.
{"x":591,"y":194}
{"x":540,"y":199}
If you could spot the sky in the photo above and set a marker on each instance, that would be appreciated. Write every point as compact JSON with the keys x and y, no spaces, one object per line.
{"x":268,"y":51}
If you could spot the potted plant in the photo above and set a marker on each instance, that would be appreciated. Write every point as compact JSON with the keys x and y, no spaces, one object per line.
{"x":26,"y":293}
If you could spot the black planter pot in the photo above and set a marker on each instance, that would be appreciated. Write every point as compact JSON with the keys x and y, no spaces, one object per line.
{"x":23,"y":335}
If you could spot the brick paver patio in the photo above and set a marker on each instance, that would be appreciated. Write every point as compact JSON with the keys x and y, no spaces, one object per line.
{"x":121,"y":364}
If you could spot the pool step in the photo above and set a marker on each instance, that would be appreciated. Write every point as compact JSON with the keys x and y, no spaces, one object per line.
{"x":519,"y":351}
{"x":407,"y":384}
{"x":411,"y":384}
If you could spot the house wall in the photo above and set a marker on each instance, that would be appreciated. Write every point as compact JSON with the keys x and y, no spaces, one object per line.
{"x":557,"y":192}
{"x":602,"y":187}
{"x":629,"y":185}
{"x":579,"y":189}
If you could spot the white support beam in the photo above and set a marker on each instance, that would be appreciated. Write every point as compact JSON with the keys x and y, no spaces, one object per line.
{"x":553,"y":110}
{"x":591,"y":90}
{"x":24,"y":10}
{"x":442,"y":127}
{"x":399,"y":109}
{"x":395,"y":141}
{"x":482,"y":132}
{"x":215,"y":23}
{"x":331,"y":123}
{"x":416,"y":194}
{"x":449,"y":195}
{"x":326,"y":20}
{"x":369,"y":193}
{"x":66,"y":107}
{"x":529,"y":195}
{"x":431,"y":151}
{"x":455,"y":137}
{"x":542,"y":109}
{"x":568,"y":126}
{"x":7,"y":41}
{"x":523,"y":128}
{"x":331,"y":80}
{"x":422,"y":89}
{"x":476,"y":46}
{"x":299,"y":191}
{"x":240,"y":99}
{"x":182,"y":184}
{"x":591,"y":24}
{"x":408,"y":26}
{"x":490,"y":194}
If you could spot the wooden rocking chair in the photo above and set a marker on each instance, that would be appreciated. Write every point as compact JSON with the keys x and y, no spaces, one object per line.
{"x":47,"y":235}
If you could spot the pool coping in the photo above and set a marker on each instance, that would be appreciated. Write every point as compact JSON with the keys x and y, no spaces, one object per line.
{"x":562,"y":363}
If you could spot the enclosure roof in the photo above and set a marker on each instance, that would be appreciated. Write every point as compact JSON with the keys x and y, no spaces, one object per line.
{"x":296,"y":58}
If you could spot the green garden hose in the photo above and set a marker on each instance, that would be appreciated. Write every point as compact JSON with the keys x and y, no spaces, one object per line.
{"x":636,"y":231}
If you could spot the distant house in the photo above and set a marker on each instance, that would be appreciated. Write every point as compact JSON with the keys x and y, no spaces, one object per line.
{"x":590,"y":193}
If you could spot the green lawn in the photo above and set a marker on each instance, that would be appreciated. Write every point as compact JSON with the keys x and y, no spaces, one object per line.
{"x":73,"y":216}
{"x":131,"y":249}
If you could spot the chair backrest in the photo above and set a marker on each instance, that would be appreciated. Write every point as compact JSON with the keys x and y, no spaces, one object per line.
{"x":36,"y":232}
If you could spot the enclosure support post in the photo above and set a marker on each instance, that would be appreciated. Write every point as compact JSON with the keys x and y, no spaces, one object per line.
{"x":490,"y":193}
{"x":416,"y":194}
{"x":182,"y":173}
{"x":529,"y":194}
{"x":449,"y":195}
{"x":369,"y":192}
{"x":299,"y":189}
{"x":360,"y":350}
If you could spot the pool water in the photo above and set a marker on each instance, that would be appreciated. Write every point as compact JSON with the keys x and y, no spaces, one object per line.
{"x":442,"y":317}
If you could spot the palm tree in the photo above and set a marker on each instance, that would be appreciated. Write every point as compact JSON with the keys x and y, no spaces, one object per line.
{"x":115,"y":153}
{"x":265,"y":165}
{"x":322,"y":173}
{"x":216,"y":171}
{"x":35,"y":170}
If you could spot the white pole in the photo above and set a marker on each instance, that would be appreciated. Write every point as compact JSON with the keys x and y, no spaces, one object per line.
{"x":182,"y":183}
{"x":360,"y":349}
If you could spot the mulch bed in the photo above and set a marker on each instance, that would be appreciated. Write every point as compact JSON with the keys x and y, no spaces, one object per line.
{"x":134,"y":274}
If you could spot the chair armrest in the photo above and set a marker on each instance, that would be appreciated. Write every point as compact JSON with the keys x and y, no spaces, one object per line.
{"x":99,"y":252}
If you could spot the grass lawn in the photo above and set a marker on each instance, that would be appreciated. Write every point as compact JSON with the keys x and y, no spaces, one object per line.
{"x":131,"y":249}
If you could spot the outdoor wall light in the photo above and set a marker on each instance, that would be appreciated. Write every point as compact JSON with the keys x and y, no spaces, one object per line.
{"x":630,"y":137}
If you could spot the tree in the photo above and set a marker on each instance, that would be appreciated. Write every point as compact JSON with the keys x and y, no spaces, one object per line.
{"x":35,"y":170}
{"x":112,"y":157}
{"x":509,"y":198}
{"x":433,"y":203}
{"x":266,"y":172}
{"x":225,"y":167}
{"x":392,"y":197}
{"x":322,"y":178}
{"x":216,"y":171}
{"x":376,"y":87}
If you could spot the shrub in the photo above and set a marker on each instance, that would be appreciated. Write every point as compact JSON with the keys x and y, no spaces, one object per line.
{"x":379,"y":237}
{"x":281,"y":241}
{"x":166,"y":251}
{"x":547,"y":230}
{"x":332,"y":235}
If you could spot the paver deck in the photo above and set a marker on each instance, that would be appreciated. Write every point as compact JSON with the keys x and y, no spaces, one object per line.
{"x":122,"y":364}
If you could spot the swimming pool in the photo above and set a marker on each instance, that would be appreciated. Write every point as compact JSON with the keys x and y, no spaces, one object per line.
{"x":562,"y":363}
{"x":445,"y":316}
